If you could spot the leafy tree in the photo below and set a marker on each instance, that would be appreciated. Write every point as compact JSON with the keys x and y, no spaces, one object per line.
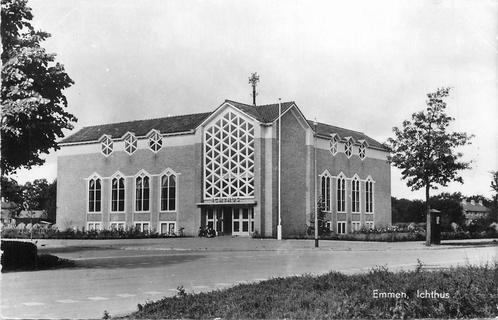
{"x":424,"y":150}
{"x":33,"y":103}
{"x":11,"y":190}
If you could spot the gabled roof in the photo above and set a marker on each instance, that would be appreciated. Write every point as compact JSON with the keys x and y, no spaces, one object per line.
{"x":326,"y":130}
{"x":185,"y":123}
{"x":474,"y":207}
{"x":140,"y":128}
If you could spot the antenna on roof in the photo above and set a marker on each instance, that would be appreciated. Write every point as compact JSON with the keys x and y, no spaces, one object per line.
{"x":253,"y":80}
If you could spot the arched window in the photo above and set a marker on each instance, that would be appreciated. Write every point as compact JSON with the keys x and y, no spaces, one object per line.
{"x":334,"y":144}
{"x":325,"y":191}
{"x":155,"y":141}
{"x":355,"y":195}
{"x":118,"y":194}
{"x":94,"y":195}
{"x":168,"y":192}
{"x":130,"y":143}
{"x":341,"y":194}
{"x":348,"y":148}
{"x":369,"y":195}
{"x":362,"y":151}
{"x":142,"y":193}
{"x":106,"y":146}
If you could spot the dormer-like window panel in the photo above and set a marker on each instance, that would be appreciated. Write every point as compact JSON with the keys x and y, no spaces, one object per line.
{"x":348,"y":148}
{"x":107,"y":146}
{"x":334,"y":144}
{"x":130,"y":144}
{"x":155,"y":141}
{"x":362,"y":151}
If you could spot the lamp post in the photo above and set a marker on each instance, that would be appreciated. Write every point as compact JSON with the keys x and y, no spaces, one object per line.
{"x":316,"y":184}
{"x":279,"y":226}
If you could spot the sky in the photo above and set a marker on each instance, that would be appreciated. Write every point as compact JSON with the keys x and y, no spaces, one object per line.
{"x":362,"y":65}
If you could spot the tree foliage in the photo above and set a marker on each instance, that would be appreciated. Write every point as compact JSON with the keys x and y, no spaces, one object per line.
{"x":33,"y":102}
{"x":423,"y":148}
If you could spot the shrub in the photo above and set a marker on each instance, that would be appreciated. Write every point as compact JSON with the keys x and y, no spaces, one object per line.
{"x":472,"y":293}
{"x":18,"y":255}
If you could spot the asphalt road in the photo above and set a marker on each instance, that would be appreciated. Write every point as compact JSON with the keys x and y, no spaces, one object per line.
{"x":117,"y":277}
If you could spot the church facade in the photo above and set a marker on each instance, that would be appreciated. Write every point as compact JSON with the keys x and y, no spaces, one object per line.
{"x":220,"y":169}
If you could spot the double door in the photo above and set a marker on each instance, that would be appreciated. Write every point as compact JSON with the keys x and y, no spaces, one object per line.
{"x":236,"y":221}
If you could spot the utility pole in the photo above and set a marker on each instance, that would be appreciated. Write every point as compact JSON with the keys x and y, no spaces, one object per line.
{"x":316,"y":184}
{"x":279,"y":226}
{"x":253,"y":80}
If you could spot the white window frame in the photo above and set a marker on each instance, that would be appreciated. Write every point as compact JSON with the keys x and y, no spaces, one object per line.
{"x":168,"y":172}
{"x":355,"y":226}
{"x":370,"y":181}
{"x":345,"y":224}
{"x":342,"y":196}
{"x":355,"y":201}
{"x":120,"y":225}
{"x":130,"y":143}
{"x":348,"y":147}
{"x":93,"y":177}
{"x":370,"y":225}
{"x":362,"y":151}
{"x":327,"y":177}
{"x":334,"y":144}
{"x":118,"y":175}
{"x":167,"y":223}
{"x":140,"y":225}
{"x":142,"y":174}
{"x":155,"y":138}
{"x":106,"y":143}
{"x":93,"y":225}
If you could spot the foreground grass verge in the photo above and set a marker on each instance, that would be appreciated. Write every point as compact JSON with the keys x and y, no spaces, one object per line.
{"x":472,"y":292}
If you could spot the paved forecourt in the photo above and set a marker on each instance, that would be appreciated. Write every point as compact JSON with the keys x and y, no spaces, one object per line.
{"x":116,"y":275}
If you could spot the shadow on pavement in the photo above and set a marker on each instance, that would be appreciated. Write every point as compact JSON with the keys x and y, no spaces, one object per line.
{"x":136,"y":262}
{"x":489,"y":243}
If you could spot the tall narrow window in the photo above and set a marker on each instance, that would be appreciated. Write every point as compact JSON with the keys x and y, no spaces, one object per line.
{"x":348,"y":148}
{"x":325,"y":192}
{"x":355,"y":195}
{"x":369,"y":193}
{"x":130,"y":143}
{"x":94,"y":195}
{"x":341,"y":194}
{"x":118,"y":194}
{"x":168,"y":192}
{"x":362,"y":151}
{"x":155,"y":141}
{"x":334,"y":145}
{"x":106,"y":146}
{"x":142,"y":193}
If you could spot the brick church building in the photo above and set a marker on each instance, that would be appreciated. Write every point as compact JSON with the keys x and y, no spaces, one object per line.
{"x":221,"y":169}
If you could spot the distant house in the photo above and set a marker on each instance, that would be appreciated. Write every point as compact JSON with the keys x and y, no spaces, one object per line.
{"x":473,"y":210}
{"x":9,"y":210}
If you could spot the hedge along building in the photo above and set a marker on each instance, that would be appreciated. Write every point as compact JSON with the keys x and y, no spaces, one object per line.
{"x":221,"y":169}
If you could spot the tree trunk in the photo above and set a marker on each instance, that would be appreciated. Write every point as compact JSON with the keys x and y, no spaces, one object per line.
{"x":428,"y":231}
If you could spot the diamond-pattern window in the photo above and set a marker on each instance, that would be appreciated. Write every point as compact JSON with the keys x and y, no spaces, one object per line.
{"x":155,"y":141}
{"x":334,"y":145}
{"x":348,"y":148}
{"x":106,"y":146}
{"x":362,"y":151}
{"x":229,"y":158}
{"x":130,"y":143}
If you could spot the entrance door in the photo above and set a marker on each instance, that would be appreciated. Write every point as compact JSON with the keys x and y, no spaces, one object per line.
{"x":242,"y":221}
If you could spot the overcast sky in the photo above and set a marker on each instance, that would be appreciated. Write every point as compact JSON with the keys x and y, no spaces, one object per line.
{"x":362,"y":65}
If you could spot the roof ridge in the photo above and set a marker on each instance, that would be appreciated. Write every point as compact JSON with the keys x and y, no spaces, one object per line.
{"x":273,"y":104}
{"x":148,"y":119}
{"x":331,"y":125}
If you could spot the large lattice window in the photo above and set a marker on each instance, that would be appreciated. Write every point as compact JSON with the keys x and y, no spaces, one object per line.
{"x":348,"y":148}
{"x":325,"y":191}
{"x":355,"y":195}
{"x":341,"y":194}
{"x":362,"y":151}
{"x":118,"y":194}
{"x":168,"y":192}
{"x":142,"y":192}
{"x":94,"y":195}
{"x":155,"y":141}
{"x":229,"y":158}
